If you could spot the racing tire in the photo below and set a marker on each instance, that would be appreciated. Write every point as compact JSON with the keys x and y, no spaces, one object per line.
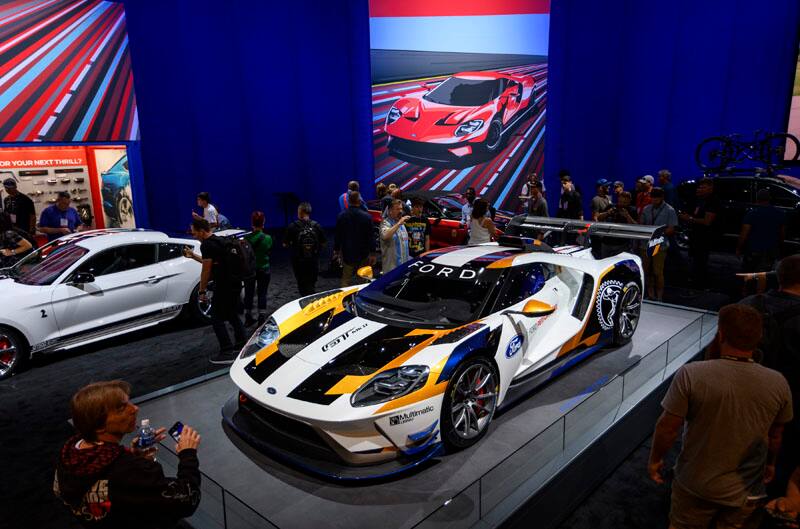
{"x":14,"y":352}
{"x":494,"y":137}
{"x":470,"y":401}
{"x":626,"y":317}
{"x":198,"y":311}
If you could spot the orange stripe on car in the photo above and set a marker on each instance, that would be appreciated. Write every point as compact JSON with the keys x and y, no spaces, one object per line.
{"x":577,"y":340}
{"x":430,"y":389}
{"x":303,"y":316}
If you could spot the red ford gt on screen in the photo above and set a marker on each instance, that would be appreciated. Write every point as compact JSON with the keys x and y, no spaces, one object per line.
{"x":468,"y":113}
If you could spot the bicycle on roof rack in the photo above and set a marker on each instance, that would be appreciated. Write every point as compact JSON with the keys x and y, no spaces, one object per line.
{"x":765,"y":152}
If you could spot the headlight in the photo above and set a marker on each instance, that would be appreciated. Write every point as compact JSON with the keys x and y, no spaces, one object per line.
{"x":390,"y":384}
{"x":469,"y":127}
{"x":264,"y":336}
{"x":393,"y":116}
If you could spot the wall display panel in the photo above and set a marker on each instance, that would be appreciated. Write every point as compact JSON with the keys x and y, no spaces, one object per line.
{"x":458,"y":94}
{"x":794,"y":113}
{"x":65,"y":72}
{"x":96,"y":178}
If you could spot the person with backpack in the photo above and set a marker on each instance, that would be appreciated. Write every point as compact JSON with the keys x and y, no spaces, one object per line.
{"x":261,"y":244}
{"x":305,"y":238}
{"x":223,"y":262}
{"x":780,"y":350}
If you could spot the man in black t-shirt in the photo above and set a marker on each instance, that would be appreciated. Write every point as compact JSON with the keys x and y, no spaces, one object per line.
{"x":355,"y":236}
{"x":305,"y":238}
{"x":418,"y":228}
{"x":227,"y":290}
{"x":701,"y":221}
{"x":621,"y":213}
{"x":20,"y":207}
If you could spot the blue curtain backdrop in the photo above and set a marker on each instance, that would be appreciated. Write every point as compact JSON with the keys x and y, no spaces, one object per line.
{"x":249,"y":98}
{"x":634,"y":86}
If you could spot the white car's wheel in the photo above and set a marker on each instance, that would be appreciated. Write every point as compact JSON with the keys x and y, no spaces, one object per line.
{"x":200,"y":311}
{"x":13,"y":352}
{"x":626,"y":318}
{"x":469,"y":403}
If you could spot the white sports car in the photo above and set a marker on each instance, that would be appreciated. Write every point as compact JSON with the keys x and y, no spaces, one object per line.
{"x":370,"y":380}
{"x":93,"y":285}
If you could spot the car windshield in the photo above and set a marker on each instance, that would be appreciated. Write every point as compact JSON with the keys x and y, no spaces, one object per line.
{"x":421,"y":293}
{"x":464,"y":92}
{"x":46,"y":264}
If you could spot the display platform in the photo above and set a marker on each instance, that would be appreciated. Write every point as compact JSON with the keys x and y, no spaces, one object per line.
{"x":534,"y":438}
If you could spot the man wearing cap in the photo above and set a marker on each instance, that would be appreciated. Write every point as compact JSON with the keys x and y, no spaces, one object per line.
{"x":643,"y":196}
{"x":19,"y":207}
{"x":601,"y":200}
{"x":60,"y":219}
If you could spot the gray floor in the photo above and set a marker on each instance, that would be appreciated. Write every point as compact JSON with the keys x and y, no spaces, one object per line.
{"x":291,"y":499}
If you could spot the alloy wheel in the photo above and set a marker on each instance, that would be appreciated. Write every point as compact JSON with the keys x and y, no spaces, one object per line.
{"x":474,"y":401}
{"x":9,"y":354}
{"x":630,"y":308}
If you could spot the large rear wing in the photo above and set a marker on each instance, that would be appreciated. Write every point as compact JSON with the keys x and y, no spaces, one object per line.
{"x":568,"y":231}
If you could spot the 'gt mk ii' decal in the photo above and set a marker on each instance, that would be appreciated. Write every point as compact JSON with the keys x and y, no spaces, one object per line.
{"x":342,"y":337}
{"x":408,"y":416}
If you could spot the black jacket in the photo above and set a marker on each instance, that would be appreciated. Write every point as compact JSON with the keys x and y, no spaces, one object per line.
{"x":109,"y":486}
{"x":355,"y":234}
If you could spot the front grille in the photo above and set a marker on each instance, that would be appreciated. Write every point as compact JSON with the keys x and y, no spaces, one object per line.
{"x":421,"y":149}
{"x":286,"y":433}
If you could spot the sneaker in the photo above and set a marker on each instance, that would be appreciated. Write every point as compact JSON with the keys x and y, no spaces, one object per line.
{"x":223,"y":357}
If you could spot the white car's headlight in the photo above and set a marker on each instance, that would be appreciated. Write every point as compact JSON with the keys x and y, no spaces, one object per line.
{"x":469,"y":127}
{"x":392,"y":116}
{"x":264,"y":336}
{"x":390,"y":384}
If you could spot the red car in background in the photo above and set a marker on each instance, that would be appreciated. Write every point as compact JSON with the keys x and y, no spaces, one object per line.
{"x":468,"y":113}
{"x":443,"y":210}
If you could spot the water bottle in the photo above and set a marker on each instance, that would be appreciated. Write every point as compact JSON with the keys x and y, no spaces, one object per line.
{"x":147,"y":435}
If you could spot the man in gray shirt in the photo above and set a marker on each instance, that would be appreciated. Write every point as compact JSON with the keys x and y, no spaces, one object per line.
{"x":732,"y":411}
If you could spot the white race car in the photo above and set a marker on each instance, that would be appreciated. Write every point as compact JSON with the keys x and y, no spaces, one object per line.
{"x":368,"y":381}
{"x":93,"y":285}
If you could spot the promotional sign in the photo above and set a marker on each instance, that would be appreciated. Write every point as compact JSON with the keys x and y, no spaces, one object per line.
{"x":65,"y":72}
{"x":458,"y":95}
{"x":96,"y":178}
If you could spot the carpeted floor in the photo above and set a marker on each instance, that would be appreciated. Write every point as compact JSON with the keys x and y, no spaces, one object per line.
{"x":34,"y":412}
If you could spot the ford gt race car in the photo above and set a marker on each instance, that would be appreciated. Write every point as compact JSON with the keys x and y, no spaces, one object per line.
{"x":467,"y":113}
{"x":370,"y":380}
{"x":93,"y":285}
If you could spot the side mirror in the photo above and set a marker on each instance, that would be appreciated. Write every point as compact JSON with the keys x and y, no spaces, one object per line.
{"x":365,"y":272}
{"x":534,"y":309}
{"x":80,"y":278}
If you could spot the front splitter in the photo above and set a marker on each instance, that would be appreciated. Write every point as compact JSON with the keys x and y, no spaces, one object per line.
{"x":256,"y":434}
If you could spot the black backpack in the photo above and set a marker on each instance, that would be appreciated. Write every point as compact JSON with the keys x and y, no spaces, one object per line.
{"x":240,"y":259}
{"x":308,"y":241}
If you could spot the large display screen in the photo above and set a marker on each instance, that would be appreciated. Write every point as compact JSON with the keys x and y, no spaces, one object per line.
{"x":65,"y":72}
{"x":459,"y":89}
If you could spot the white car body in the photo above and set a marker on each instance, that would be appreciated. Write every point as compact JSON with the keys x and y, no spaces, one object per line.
{"x":307,"y":389}
{"x":63,"y":315}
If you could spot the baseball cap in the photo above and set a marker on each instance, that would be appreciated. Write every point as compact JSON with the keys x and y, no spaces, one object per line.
{"x":9,"y":182}
{"x":619,"y":183}
{"x":603,"y":182}
{"x":647,"y":178}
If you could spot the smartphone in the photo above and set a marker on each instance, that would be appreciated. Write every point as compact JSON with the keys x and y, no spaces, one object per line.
{"x":175,"y":431}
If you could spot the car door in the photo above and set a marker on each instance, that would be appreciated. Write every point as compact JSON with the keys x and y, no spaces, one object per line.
{"x":181,"y":274}
{"x":523,"y":283}
{"x":445,"y":218}
{"x":788,"y":201}
{"x":127,"y":286}
{"x":735,"y":197}
{"x":513,"y":95}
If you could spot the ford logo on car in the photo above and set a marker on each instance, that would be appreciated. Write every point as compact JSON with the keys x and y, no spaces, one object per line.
{"x":514,"y":346}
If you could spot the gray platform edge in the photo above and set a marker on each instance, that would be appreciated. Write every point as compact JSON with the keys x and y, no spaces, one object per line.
{"x":554,"y":496}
